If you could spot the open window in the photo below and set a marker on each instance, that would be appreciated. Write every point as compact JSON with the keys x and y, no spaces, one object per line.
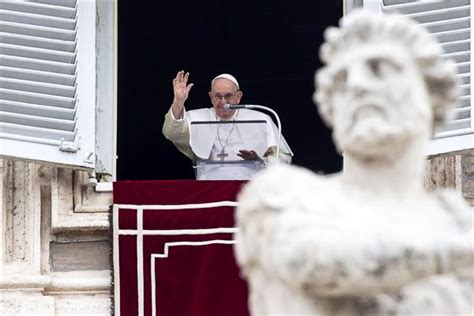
{"x":57,"y":81}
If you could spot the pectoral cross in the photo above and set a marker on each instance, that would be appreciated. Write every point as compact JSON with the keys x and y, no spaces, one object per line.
{"x":222,"y":154}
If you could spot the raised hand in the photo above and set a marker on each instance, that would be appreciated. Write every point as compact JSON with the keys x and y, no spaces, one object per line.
{"x":181,"y":90}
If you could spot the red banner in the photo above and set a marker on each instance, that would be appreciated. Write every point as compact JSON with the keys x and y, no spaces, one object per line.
{"x":173,"y":249}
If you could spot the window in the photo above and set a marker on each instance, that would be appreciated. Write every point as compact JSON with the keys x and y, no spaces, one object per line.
{"x":56,"y":81}
{"x":450,"y":22}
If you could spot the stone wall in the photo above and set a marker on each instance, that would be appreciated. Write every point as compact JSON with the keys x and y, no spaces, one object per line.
{"x":55,"y":244}
{"x":454,"y":170}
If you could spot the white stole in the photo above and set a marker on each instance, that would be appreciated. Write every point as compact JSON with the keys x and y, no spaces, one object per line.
{"x":258,"y":137}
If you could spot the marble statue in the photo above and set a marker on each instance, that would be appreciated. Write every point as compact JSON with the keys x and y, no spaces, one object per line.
{"x":370,"y":240}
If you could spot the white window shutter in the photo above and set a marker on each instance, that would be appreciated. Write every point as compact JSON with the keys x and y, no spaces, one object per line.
{"x":450,"y":22}
{"x":47,"y":81}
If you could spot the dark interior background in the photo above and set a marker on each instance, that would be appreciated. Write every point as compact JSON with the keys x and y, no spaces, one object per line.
{"x":271,"y":46}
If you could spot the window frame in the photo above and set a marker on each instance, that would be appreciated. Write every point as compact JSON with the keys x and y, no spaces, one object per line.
{"x":94,"y":148}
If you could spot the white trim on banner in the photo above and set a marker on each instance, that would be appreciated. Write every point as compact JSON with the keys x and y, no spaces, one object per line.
{"x":165,"y":255}
{"x":140,"y":232}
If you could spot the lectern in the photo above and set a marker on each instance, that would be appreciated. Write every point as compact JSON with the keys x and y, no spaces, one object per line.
{"x":202,"y":137}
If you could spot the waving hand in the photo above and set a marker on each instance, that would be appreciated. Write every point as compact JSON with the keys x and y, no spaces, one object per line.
{"x":181,"y":90}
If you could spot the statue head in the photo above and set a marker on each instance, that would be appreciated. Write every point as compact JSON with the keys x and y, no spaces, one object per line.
{"x":385,"y":83}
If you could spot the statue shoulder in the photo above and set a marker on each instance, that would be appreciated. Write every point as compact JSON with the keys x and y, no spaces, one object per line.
{"x":272,"y":196}
{"x":279,"y":188}
{"x":453,"y":203}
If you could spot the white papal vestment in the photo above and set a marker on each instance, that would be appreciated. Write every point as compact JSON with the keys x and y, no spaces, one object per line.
{"x":222,"y":142}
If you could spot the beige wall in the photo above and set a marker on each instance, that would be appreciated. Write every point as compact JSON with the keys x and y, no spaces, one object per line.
{"x":453,"y":170}
{"x":55,"y":245}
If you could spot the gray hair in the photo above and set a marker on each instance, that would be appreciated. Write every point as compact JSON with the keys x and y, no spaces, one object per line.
{"x":364,"y":27}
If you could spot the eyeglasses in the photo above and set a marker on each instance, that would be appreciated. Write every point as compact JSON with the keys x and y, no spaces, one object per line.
{"x":227,"y":96}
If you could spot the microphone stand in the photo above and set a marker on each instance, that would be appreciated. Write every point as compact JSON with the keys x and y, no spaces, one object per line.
{"x":260,"y":107}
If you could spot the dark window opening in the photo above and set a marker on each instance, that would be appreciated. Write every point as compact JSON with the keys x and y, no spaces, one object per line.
{"x":270,"y":46}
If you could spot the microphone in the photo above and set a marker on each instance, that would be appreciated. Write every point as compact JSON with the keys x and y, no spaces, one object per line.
{"x":229,"y":107}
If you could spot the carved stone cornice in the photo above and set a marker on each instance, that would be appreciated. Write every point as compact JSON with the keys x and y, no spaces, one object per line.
{"x":76,"y":206}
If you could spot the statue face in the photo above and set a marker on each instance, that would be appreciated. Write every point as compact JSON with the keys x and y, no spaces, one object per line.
{"x":380,"y":100}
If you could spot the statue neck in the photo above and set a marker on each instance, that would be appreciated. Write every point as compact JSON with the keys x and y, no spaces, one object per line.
{"x":397,"y":175}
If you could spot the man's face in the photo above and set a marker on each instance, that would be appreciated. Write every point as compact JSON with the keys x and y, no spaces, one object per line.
{"x":379,"y":100}
{"x":224,"y":91}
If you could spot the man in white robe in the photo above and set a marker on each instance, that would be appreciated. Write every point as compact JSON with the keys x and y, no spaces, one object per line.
{"x":236,"y":150}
